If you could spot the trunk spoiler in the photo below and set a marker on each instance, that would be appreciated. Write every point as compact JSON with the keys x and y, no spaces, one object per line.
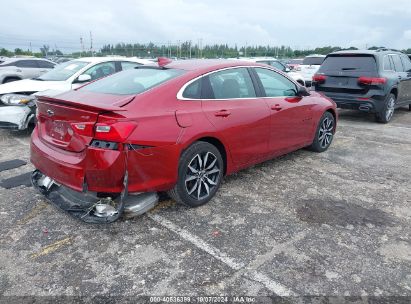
{"x":83,"y":105}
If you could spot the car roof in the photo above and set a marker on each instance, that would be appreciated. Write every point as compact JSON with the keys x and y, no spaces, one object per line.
{"x":113,"y":58}
{"x":14,"y":59}
{"x":314,"y":55}
{"x":366,"y":52}
{"x":208,"y":64}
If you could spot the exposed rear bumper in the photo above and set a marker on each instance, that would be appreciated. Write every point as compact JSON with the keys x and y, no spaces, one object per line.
{"x":102,"y":170}
{"x":97,"y":170}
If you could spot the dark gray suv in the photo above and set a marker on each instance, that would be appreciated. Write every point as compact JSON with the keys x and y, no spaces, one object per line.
{"x":371,"y":81}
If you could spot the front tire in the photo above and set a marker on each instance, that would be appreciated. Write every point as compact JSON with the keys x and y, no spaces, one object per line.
{"x":385,"y":115}
{"x":200,"y":173}
{"x":324,"y":134}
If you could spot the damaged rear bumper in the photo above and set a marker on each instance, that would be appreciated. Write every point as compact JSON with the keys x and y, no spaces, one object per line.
{"x":16,"y":117}
{"x":91,"y":208}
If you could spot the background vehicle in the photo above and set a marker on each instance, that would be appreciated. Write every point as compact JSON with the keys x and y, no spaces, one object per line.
{"x":17,"y":106}
{"x":178,"y":128}
{"x":12,"y":69}
{"x":309,"y":67}
{"x":278,"y":65}
{"x":371,"y":81}
{"x":294,"y":63}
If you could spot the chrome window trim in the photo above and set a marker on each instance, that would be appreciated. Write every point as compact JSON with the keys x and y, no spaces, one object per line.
{"x":182,"y":89}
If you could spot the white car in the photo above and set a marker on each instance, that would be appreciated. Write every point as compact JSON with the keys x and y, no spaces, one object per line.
{"x":310,"y":65}
{"x":17,"y":99}
{"x":278,"y":65}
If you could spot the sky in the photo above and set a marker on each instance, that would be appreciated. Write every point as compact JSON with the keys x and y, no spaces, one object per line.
{"x":300,"y":24}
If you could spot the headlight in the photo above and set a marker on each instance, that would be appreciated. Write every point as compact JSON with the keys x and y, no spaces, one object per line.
{"x":16,"y":99}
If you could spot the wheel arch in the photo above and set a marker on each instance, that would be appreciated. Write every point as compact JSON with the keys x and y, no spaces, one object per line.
{"x":394,"y":91}
{"x":11,"y":77}
{"x":216,"y":143}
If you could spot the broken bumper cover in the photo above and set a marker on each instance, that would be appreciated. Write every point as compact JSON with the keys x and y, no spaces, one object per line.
{"x":86,"y":206}
{"x":16,"y":117}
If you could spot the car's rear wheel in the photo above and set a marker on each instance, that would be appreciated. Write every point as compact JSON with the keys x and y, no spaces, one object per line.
{"x":325,"y":133}
{"x":385,"y":115}
{"x":199,"y":175}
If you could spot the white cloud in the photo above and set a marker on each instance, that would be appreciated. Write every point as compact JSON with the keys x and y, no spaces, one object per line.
{"x":297,"y":23}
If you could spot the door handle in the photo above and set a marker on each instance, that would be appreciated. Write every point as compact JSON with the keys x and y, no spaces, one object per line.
{"x":276,"y":107}
{"x":222,"y":113}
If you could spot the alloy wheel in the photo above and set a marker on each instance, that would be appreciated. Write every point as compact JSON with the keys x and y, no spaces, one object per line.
{"x":390,"y":108}
{"x":202,"y":175}
{"x":325,"y":133}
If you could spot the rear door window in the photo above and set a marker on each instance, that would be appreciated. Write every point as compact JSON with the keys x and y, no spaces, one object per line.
{"x":388,"y":66}
{"x":232,"y":83}
{"x":397,"y":63}
{"x":349,"y":63}
{"x":193,"y":90}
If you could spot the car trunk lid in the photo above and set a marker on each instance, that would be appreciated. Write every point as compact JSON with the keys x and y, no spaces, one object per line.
{"x":68,"y":123}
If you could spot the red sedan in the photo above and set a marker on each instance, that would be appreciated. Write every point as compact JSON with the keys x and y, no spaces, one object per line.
{"x":179,"y":127}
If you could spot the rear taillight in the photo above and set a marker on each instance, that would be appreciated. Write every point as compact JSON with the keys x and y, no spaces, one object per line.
{"x":371,"y":80}
{"x":114,"y":131}
{"x":319,"y":78}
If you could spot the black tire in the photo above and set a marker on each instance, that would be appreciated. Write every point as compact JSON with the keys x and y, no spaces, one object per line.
{"x":199,"y":177}
{"x":409,"y":107}
{"x":10,"y":79}
{"x":387,"y":112}
{"x":324,"y":134}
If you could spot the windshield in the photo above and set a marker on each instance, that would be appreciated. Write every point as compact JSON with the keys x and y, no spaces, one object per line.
{"x":358,"y":63}
{"x":63,"y":71}
{"x":133,"y":81}
{"x":313,"y":60}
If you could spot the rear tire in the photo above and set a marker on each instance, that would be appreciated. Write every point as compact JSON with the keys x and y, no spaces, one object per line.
{"x":200,"y":172}
{"x":386,"y":114}
{"x":10,"y":79}
{"x":324,"y":134}
{"x":409,"y":107}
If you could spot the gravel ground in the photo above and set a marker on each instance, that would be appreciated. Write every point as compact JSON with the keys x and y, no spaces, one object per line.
{"x":305,"y":224}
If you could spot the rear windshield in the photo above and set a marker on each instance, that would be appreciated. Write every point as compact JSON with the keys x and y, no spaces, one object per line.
{"x":357,"y":63}
{"x":133,"y":81}
{"x":313,"y":60}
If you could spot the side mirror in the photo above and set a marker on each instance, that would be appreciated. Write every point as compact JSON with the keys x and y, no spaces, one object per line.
{"x":83,"y":78}
{"x":287,"y":70}
{"x":302,"y":91}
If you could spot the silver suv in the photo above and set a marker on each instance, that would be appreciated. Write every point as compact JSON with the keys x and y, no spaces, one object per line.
{"x":12,"y":69}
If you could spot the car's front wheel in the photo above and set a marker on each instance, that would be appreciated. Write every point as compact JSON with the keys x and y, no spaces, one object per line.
{"x":199,"y":175}
{"x":385,"y":115}
{"x":324,"y":134}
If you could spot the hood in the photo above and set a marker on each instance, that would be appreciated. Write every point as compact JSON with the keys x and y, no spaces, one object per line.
{"x":29,"y":85}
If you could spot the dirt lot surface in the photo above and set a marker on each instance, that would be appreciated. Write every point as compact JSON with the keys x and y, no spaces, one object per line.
{"x":336,"y":223}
